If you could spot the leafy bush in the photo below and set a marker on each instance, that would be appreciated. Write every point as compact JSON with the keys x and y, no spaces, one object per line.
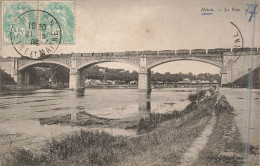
{"x":223,"y":105}
{"x":98,"y":148}
{"x":193,"y":97}
{"x":21,"y":157}
{"x":147,"y":124}
{"x":198,"y":96}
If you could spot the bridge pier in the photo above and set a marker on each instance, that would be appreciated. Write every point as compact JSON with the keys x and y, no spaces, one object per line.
{"x":224,"y":79}
{"x":144,"y":76}
{"x":22,"y":77}
{"x":77,"y":79}
{"x":144,"y":80}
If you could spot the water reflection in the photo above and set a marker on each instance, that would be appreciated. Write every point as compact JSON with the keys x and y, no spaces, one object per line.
{"x":144,"y":103}
{"x":80,"y":93}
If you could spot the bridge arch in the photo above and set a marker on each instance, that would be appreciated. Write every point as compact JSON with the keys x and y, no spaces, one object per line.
{"x":42,"y":62}
{"x":94,"y":62}
{"x":160,"y":62}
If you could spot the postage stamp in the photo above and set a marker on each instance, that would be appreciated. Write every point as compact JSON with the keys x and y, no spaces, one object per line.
{"x":62,"y":11}
{"x":10,"y":12}
{"x":35,"y":33}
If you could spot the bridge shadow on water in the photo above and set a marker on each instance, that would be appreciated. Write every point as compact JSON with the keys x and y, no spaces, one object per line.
{"x":80,"y":93}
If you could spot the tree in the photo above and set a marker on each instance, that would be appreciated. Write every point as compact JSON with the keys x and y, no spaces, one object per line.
{"x":123,"y":75}
{"x":6,"y":78}
{"x":60,"y":74}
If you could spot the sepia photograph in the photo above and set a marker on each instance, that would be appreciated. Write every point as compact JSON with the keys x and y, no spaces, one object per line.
{"x":129,"y":83}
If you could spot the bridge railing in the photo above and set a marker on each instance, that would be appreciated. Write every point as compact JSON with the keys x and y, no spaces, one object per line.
{"x":206,"y":52}
{"x":177,"y":53}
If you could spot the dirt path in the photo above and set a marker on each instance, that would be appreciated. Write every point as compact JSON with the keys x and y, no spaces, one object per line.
{"x":192,"y":153}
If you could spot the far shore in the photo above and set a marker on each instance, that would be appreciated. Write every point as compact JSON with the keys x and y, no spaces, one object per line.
{"x":10,"y":89}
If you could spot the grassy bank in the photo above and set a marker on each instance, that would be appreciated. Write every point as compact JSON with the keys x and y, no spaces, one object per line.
{"x":162,"y":141}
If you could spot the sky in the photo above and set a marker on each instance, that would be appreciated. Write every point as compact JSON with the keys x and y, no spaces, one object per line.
{"x":132,"y":25}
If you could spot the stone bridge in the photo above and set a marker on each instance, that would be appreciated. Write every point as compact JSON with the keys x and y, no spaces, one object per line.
{"x":234,"y":63}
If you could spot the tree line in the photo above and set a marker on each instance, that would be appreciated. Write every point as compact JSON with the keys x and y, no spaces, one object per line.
{"x":5,"y":78}
{"x":100,"y":73}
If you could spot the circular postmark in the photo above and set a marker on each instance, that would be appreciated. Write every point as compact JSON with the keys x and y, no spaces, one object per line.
{"x":35,"y":34}
{"x":238,"y":44}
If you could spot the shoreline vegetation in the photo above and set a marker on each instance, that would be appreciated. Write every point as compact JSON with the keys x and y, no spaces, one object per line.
{"x":162,"y":139}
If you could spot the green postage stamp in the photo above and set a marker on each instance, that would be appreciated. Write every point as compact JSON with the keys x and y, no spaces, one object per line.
{"x":38,"y":23}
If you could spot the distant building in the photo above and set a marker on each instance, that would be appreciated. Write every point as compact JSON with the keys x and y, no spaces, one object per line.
{"x":206,"y":82}
{"x":102,"y":70}
{"x":120,"y":82}
{"x":185,"y":81}
{"x":110,"y":82}
{"x":133,"y":82}
{"x":92,"y":81}
{"x":159,"y":82}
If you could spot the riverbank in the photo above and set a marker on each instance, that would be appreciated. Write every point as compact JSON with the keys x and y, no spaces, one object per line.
{"x":165,"y":142}
{"x":153,"y":86}
{"x":17,"y":88}
{"x":26,"y":89}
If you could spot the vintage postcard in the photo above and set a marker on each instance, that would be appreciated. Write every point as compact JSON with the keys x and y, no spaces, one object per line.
{"x":129,"y":83}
